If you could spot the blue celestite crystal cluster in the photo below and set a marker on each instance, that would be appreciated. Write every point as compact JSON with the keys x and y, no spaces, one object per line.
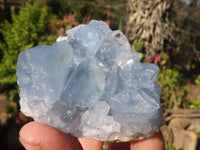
{"x":91,"y":84}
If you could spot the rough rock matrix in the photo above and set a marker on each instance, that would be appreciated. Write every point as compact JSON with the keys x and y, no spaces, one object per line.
{"x":92,"y":85}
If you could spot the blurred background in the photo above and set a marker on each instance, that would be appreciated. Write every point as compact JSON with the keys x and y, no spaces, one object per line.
{"x":165,"y":32}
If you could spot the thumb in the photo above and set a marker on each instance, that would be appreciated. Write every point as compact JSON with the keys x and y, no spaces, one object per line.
{"x":39,"y":136}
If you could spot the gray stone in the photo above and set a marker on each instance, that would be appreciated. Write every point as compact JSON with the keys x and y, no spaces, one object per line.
{"x":182,"y":123}
{"x":168,"y":135}
{"x":184,"y":139}
{"x":195,"y":125}
{"x":92,"y":85}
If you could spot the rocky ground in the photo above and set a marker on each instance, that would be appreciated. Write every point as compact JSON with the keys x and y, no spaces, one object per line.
{"x":182,"y":129}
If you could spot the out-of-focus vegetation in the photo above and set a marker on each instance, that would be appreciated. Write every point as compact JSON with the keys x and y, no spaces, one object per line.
{"x":85,"y":10}
{"x":170,"y":148}
{"x":27,"y":29}
{"x":186,"y":52}
{"x":139,"y":48}
{"x":182,"y":64}
{"x":179,"y":59}
{"x":197,"y":80}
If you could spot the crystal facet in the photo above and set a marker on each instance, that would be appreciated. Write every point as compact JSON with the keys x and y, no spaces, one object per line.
{"x":91,"y":84}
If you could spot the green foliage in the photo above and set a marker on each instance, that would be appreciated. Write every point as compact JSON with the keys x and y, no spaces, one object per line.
{"x":120,"y":26}
{"x":139,"y":48}
{"x":193,"y":104}
{"x":13,"y":94}
{"x":197,"y":80}
{"x":105,"y":145}
{"x":11,"y":109}
{"x":28,"y":28}
{"x":182,"y":63}
{"x":174,"y":91}
{"x":165,"y":59}
{"x":170,"y":148}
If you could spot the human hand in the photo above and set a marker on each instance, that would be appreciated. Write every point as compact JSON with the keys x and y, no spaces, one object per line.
{"x":39,"y":136}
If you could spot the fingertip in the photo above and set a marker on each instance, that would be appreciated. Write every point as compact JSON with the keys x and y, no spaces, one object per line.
{"x":41,"y":136}
{"x":28,"y":133}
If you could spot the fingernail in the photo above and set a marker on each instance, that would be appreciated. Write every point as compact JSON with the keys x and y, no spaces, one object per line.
{"x":28,"y":146}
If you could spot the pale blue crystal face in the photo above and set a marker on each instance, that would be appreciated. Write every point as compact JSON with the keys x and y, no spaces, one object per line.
{"x":91,"y":85}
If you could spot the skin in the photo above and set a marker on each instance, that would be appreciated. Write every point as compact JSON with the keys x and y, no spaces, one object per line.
{"x":39,"y":136}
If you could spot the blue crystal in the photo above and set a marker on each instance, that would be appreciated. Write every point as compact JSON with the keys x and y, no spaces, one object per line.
{"x":91,"y":84}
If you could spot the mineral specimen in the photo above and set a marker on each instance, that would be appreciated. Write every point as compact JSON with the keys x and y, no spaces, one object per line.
{"x":91,"y":84}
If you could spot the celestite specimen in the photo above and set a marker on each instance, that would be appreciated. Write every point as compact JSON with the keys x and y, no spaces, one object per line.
{"x":91,"y":84}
